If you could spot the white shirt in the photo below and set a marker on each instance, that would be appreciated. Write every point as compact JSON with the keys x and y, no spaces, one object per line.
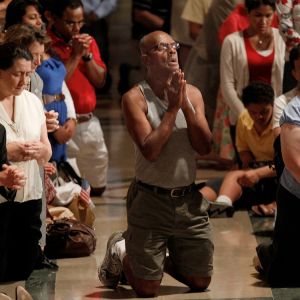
{"x":234,"y":71}
{"x":195,"y":11}
{"x":28,"y":121}
{"x":280,"y":103}
{"x":102,"y":8}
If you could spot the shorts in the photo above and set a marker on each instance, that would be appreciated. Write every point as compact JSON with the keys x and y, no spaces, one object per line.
{"x":263,"y":192}
{"x":159,"y":222}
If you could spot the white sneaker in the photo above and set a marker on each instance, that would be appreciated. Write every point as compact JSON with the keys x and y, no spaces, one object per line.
{"x":110,"y":270}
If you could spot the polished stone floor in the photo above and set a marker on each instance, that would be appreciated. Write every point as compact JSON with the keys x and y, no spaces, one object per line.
{"x":235,"y":238}
{"x":235,"y":241}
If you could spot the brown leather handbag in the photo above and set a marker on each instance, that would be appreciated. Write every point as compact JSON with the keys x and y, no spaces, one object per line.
{"x":69,"y":238}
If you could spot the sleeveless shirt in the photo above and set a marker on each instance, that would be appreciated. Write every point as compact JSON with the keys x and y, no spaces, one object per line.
{"x":175,"y":166}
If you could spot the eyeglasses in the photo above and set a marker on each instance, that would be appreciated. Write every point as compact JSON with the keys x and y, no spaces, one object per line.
{"x":72,"y":23}
{"x":165,"y":46}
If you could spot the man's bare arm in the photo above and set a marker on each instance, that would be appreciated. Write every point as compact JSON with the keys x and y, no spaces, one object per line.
{"x":71,"y":64}
{"x":198,"y":130}
{"x":246,"y":157}
{"x":95,"y":73}
{"x":148,"y":19}
{"x":80,"y":47}
{"x":150,"y":141}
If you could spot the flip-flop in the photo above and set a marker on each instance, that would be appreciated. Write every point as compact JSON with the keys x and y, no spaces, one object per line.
{"x":263,"y":210}
{"x":257,"y":265}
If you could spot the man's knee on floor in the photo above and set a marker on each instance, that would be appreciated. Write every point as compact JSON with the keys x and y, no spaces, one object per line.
{"x":198,"y":283}
{"x":147,"y":288}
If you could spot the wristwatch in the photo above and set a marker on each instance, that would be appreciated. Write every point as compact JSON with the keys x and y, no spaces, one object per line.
{"x":73,"y":119}
{"x":88,"y":57}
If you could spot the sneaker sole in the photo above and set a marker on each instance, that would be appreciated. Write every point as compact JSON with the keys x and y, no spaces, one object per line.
{"x":220,"y":210}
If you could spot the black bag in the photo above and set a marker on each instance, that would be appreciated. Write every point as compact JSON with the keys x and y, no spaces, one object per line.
{"x":6,"y":213}
{"x":278,"y":160}
{"x":69,"y":238}
{"x":66,"y":171}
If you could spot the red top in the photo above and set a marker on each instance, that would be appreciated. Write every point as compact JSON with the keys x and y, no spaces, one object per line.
{"x":82,"y":91}
{"x":260,"y":67}
{"x":238,"y":21}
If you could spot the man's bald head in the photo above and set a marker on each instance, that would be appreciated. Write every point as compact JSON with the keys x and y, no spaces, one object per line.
{"x":151,"y":39}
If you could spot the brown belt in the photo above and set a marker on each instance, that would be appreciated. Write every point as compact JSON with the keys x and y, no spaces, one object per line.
{"x":84,"y":118}
{"x":51,"y":98}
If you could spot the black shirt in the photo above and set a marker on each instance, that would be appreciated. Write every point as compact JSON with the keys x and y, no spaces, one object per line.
{"x":161,"y":8}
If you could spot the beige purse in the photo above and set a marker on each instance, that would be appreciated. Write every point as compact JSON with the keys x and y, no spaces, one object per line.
{"x":84,"y":214}
{"x":59,"y":212}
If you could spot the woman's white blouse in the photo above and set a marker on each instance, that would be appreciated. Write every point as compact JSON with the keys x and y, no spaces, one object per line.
{"x":29,"y":118}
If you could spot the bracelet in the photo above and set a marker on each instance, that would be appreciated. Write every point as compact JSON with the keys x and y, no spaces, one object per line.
{"x":74,"y":119}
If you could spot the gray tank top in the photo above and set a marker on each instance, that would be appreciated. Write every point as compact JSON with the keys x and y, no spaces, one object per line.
{"x":176,"y":165}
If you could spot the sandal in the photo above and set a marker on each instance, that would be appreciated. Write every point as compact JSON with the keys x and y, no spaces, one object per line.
{"x":45,"y":262}
{"x":264,"y":210}
{"x":257,"y":265}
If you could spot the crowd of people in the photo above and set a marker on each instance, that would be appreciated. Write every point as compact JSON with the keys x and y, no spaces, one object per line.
{"x":212,"y":85}
{"x":49,"y":73}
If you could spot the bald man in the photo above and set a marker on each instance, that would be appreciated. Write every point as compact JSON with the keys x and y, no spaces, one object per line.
{"x":165,"y":119}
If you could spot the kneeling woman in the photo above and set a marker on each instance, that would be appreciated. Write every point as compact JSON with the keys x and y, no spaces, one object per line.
{"x":22,"y":115}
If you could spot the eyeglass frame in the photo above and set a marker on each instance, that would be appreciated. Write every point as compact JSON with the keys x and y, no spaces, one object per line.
{"x":167,"y":46}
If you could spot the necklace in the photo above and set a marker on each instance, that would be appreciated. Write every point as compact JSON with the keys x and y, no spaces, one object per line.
{"x":263,"y":43}
{"x":13,"y":126}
